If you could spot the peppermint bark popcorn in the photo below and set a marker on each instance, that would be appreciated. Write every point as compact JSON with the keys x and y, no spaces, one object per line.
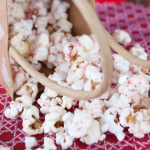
{"x":42,"y":34}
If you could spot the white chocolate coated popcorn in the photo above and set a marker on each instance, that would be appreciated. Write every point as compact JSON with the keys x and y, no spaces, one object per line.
{"x":4,"y":148}
{"x":30,"y":142}
{"x":49,"y":143}
{"x":122,"y":37}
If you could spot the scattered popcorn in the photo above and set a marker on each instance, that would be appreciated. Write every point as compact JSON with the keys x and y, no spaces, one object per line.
{"x":41,"y":32}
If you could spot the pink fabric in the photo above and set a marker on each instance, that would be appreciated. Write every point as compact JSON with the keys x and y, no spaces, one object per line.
{"x":135,"y":19}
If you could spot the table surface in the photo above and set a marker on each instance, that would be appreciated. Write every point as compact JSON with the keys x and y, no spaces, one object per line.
{"x":133,"y":18}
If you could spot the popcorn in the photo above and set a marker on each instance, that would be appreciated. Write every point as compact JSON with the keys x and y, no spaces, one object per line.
{"x":19,"y":77}
{"x":67,"y":102}
{"x":16,"y":11}
{"x":42,"y":40}
{"x":45,"y":37}
{"x":110,"y":123}
{"x":75,"y":75}
{"x":136,"y":50}
{"x":79,"y":124}
{"x":21,"y":46}
{"x":93,"y":135}
{"x":23,"y":26}
{"x":30,"y":124}
{"x":53,"y":121}
{"x":95,"y":108}
{"x":78,"y":85}
{"x":122,"y":37}
{"x":119,"y":101}
{"x":50,"y":92}
{"x":30,"y":142}
{"x":25,"y":99}
{"x":64,"y":25}
{"x":64,"y":139}
{"x":41,"y":54}
{"x":38,"y":8}
{"x":16,"y":110}
{"x":4,"y":148}
{"x":130,"y":86}
{"x":86,"y":42}
{"x":49,"y":143}
{"x":41,"y":22}
{"x":59,"y":9}
{"x":59,"y":76}
{"x":91,"y":70}
{"x":29,"y":89}
{"x":45,"y":102}
{"x":37,"y":66}
{"x":144,"y":73}
{"x":79,"y":63}
{"x":120,"y":64}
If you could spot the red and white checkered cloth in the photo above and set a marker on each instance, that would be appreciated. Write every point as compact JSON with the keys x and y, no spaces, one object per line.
{"x":133,"y":18}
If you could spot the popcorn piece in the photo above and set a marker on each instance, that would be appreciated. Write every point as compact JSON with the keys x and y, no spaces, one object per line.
{"x":50,"y":92}
{"x":45,"y":102}
{"x":59,"y":76}
{"x":41,"y":54}
{"x":133,"y":85}
{"x":93,"y":134}
{"x":23,"y":26}
{"x":110,"y":123}
{"x":30,"y":124}
{"x":144,"y":73}
{"x":4,"y":148}
{"x":79,"y":63}
{"x":25,"y":99}
{"x":122,"y":37}
{"x":65,"y":25}
{"x":49,"y":143}
{"x":75,"y":75}
{"x":53,"y":121}
{"x":42,"y":40}
{"x":64,"y":139}
{"x":41,"y":22}
{"x":66,"y":102}
{"x":120,"y":63}
{"x":91,"y":70}
{"x":59,"y":9}
{"x":30,"y":142}
{"x":37,"y":66}
{"x":19,"y":77}
{"x":79,"y":124}
{"x":15,"y":11}
{"x":119,"y":101}
{"x":136,"y":50}
{"x":16,"y":110}
{"x":29,"y":89}
{"x":86,"y":42}
{"x":78,"y":85}
{"x":21,"y":46}
{"x":38,"y":8}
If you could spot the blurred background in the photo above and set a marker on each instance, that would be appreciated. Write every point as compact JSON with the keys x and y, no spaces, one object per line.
{"x":145,"y":2}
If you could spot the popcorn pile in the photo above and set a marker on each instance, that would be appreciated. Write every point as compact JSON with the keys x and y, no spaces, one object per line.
{"x":40,"y":31}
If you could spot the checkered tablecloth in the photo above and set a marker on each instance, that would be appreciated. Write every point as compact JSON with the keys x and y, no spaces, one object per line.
{"x":133,"y":18}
